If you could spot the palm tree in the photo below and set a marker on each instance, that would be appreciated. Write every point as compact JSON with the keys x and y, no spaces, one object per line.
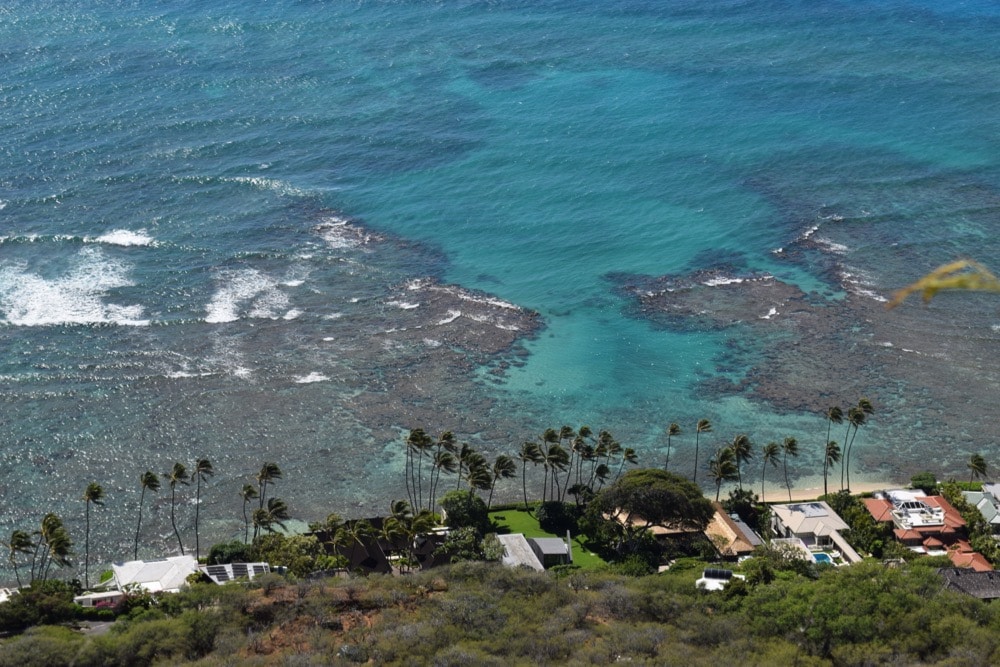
{"x":148,"y":480}
{"x":248,"y":493}
{"x":269,"y":472}
{"x":92,"y":494}
{"x":443,"y":459}
{"x":503,"y":467}
{"x":54,"y":544}
{"x":790,"y":447}
{"x":722,"y":468}
{"x":266,"y":518}
{"x":555,"y":459}
{"x":704,"y":426}
{"x":672,"y":430}
{"x":834,"y":415}
{"x":769,"y":455}
{"x":477,"y":473}
{"x":20,"y":543}
{"x":417,"y":444}
{"x":742,"y":452}
{"x":354,"y":532}
{"x":831,"y":456}
{"x":177,"y":475}
{"x":466,"y":457}
{"x":202,"y":470}
{"x":977,"y":467}
{"x":530,"y":453}
{"x":628,"y":456}
{"x":856,"y":417}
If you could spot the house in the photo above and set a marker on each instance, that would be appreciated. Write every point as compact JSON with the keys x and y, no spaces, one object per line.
{"x":923,"y":523}
{"x":221,"y":574}
{"x":100,"y":599}
{"x":160,"y":575}
{"x":987,"y":502}
{"x":715,"y":579}
{"x":982,"y":585}
{"x":815,"y":524}
{"x":536,"y":553}
{"x":731,"y":536}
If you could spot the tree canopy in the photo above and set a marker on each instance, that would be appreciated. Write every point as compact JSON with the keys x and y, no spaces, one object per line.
{"x":649,"y":497}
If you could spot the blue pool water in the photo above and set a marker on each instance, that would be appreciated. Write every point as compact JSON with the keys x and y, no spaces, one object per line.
{"x":822,"y":558}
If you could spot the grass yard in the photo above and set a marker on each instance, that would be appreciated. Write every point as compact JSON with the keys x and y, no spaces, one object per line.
{"x":519,"y":521}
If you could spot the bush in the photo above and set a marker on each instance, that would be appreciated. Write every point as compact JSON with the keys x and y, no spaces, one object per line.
{"x":466,"y":510}
{"x":925,"y":481}
{"x":230,"y":552}
{"x":555,"y":517}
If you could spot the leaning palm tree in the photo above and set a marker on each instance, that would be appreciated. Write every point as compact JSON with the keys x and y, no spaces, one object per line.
{"x":831,"y":456}
{"x":790,"y":447}
{"x":742,"y":452}
{"x":269,"y":472}
{"x":768,"y":455}
{"x":977,"y":467}
{"x":266,"y":518}
{"x":856,"y":417}
{"x":722,"y":468}
{"x":148,"y":480}
{"x":53,"y":546}
{"x":248,"y":493}
{"x":704,"y":426}
{"x":530,"y":453}
{"x":628,"y":456}
{"x":93,"y":494}
{"x":503,"y":468}
{"x":177,"y":475}
{"x":202,"y":470}
{"x":418,"y":443}
{"x":555,"y":459}
{"x":672,"y":430}
{"x":834,"y":415}
{"x":20,"y":543}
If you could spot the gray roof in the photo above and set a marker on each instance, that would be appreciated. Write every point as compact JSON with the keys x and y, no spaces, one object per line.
{"x":550,"y":546}
{"x":982,"y":585}
{"x":517,"y":552}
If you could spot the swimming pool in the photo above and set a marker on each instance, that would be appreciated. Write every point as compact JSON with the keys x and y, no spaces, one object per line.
{"x":822,"y":558}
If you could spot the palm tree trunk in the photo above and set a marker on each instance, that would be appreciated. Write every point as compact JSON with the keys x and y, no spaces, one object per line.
{"x":197,"y":508}
{"x":524,"y":483}
{"x":694,"y":477}
{"x":86,"y":549}
{"x":174,"y":522}
{"x":784,"y":464}
{"x":666,"y":463}
{"x":246,"y":522}
{"x":763,"y":470}
{"x":138,"y":525}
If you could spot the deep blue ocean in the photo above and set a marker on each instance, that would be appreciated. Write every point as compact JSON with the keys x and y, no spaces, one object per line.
{"x":223,"y":226}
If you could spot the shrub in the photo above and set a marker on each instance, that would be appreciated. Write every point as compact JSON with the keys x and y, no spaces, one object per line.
{"x":230,"y":552}
{"x":466,"y":510}
{"x":925,"y":481}
{"x":556,"y":517}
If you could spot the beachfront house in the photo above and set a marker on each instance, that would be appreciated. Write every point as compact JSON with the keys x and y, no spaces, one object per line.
{"x":982,"y":585}
{"x":160,"y":575}
{"x":926,"y":524}
{"x":817,"y":526}
{"x":730,"y":535}
{"x":536,"y":553}
{"x":987,"y":502}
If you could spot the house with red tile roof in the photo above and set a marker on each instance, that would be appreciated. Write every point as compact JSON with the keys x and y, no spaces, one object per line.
{"x":926,"y":524}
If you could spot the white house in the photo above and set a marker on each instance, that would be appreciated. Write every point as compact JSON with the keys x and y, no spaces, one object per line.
{"x":155,"y":576}
{"x":816,"y":524}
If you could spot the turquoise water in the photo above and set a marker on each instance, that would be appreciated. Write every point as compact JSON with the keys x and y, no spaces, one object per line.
{"x":210,"y":213}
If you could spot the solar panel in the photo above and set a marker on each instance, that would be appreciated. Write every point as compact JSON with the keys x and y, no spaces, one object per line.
{"x":239,"y":570}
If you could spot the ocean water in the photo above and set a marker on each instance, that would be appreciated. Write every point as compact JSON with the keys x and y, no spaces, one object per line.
{"x":290,"y":231}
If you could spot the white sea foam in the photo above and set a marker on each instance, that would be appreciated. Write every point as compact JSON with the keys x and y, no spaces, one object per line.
{"x":404,"y":305}
{"x":293,"y":283}
{"x":272,"y":184}
{"x":430,"y":342}
{"x":339,"y":233}
{"x":312,"y":377}
{"x":124,"y":237}
{"x":291,"y":314}
{"x":246,"y":290}
{"x":452,"y":316}
{"x":771,"y":313}
{"x":75,"y":297}
{"x":716,"y":282}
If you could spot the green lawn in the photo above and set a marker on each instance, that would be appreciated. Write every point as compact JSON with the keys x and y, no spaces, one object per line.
{"x":519,"y":521}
